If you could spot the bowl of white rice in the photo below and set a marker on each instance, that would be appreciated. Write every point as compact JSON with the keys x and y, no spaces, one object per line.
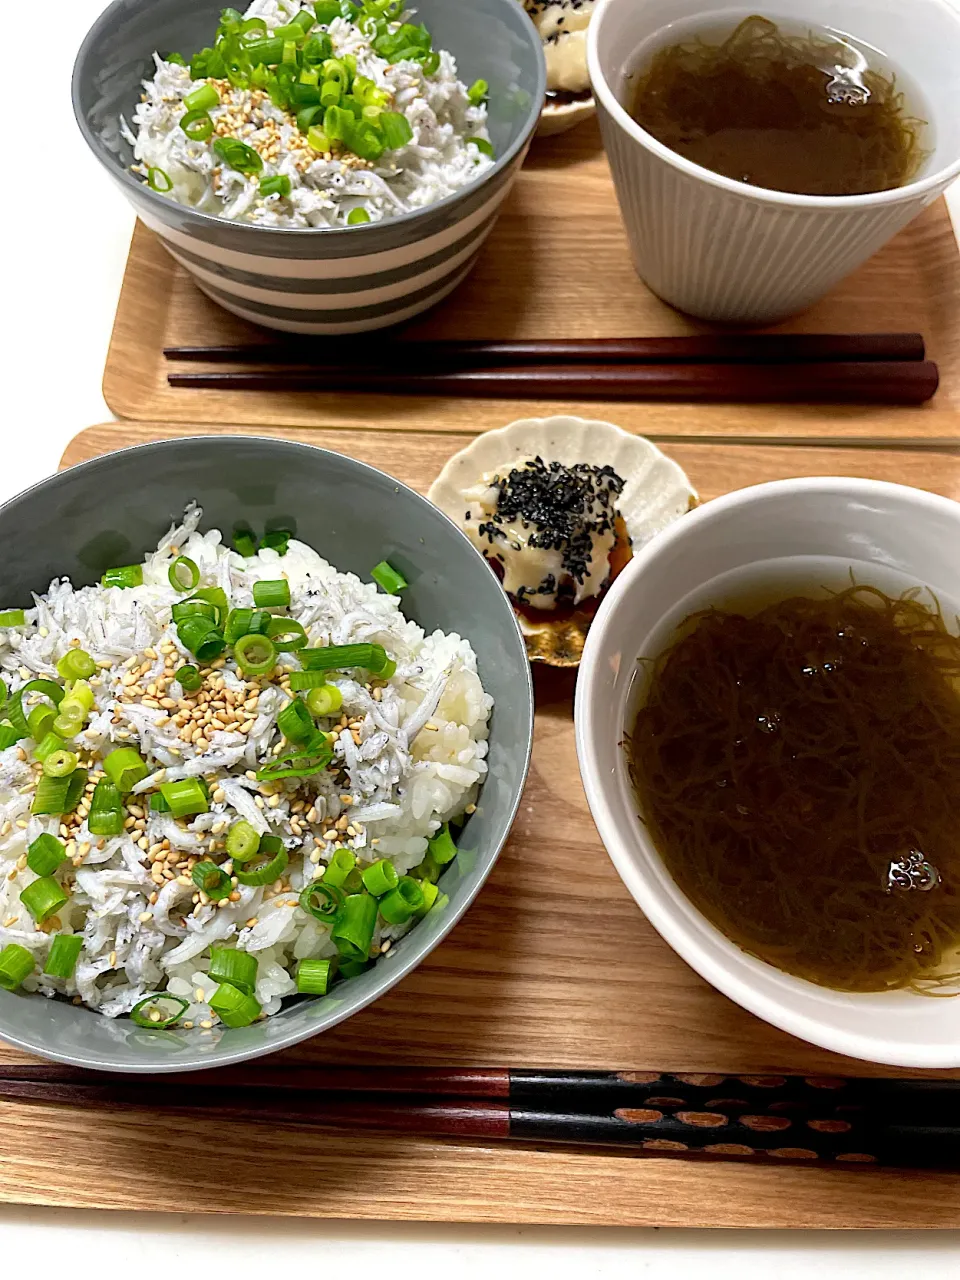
{"x":266,"y":719}
{"x":318,"y":166}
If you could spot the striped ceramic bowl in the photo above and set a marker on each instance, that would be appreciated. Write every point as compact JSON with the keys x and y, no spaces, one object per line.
{"x":319,"y":280}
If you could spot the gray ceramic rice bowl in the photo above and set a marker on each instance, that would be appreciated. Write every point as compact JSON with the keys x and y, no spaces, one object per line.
{"x":113,"y":510}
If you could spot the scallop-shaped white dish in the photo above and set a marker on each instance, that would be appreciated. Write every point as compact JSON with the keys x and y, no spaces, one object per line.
{"x":558,"y":117}
{"x":656,"y":492}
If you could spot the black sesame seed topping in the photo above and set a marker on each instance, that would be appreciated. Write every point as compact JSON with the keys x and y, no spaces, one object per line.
{"x":567,"y":507}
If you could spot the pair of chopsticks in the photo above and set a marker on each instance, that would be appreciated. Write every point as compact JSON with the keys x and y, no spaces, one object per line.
{"x":840,"y":1122}
{"x":881,"y":368}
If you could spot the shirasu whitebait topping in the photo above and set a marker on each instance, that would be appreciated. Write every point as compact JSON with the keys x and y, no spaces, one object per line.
{"x":328,"y":114}
{"x":297,"y":815}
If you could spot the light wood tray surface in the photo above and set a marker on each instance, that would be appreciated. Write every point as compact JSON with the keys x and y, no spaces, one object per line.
{"x":553,"y":966}
{"x":556,"y":265}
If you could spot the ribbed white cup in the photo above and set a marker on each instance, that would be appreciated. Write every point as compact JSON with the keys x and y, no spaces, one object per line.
{"x":726,"y":251}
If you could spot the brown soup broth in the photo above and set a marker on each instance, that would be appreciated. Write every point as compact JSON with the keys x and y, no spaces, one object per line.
{"x":798,"y":768}
{"x":809,"y":112}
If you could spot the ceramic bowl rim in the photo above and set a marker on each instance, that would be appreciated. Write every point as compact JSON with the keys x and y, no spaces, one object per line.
{"x":161,"y":204}
{"x":417,"y":954}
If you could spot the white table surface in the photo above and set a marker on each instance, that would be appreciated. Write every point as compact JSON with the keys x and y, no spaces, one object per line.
{"x":62,"y":276}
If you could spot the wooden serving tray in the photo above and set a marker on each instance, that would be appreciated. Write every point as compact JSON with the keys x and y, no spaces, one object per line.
{"x":556,"y":265}
{"x":553,"y":966}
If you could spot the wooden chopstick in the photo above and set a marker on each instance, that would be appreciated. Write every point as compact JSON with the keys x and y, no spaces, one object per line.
{"x":835,"y":1122}
{"x":799,"y":348}
{"x":864,"y":382}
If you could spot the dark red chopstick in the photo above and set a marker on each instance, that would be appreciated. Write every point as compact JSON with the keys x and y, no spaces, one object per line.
{"x":866,"y":382}
{"x":826,"y":1121}
{"x":798,"y":348}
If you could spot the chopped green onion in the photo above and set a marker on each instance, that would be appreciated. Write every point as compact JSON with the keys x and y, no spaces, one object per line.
{"x":396,"y":129}
{"x":252,"y":28}
{"x":318,"y":139}
{"x":45,"y":855}
{"x":43,"y":898}
{"x":215,"y":596}
{"x":16,"y":963}
{"x":264,"y":871}
{"x":305,"y":118}
{"x":194,"y":608}
{"x":322,"y":901}
{"x":154,"y":1011}
{"x":202,"y":99}
{"x":353,"y":882}
{"x":212,"y":880}
{"x":483,"y":146}
{"x":403,"y":902}
{"x":276,"y":539}
{"x":183,"y":574}
{"x":430,"y":894}
{"x":339,"y":867}
{"x":76,"y":664}
{"x":176,"y":58}
{"x":59,"y":763}
{"x":289,"y":52}
{"x":244,"y":543}
{"x":441,"y":846}
{"x":290,"y":31}
{"x":302,"y":760}
{"x":278,"y":185}
{"x":357,"y":217}
{"x":325,"y":701}
{"x":270,"y":844}
{"x":125,"y":767}
{"x":352,"y":968}
{"x":67,"y":726}
{"x":343,"y":657}
{"x":287,"y":634}
{"x":158,"y":804}
{"x":264,"y":52}
{"x":197,"y":125}
{"x":63,"y":955}
{"x":233,"y":1006}
{"x":184,"y":797}
{"x":237,"y":155}
{"x":352,"y":932}
{"x":49,"y":743}
{"x":271,"y":593}
{"x":79,"y":701}
{"x":8,"y":735}
{"x":300,"y":680}
{"x":316,"y":50}
{"x":243,"y":841}
{"x":245,"y":622}
{"x":188,"y":677}
{"x":238,"y":968}
{"x":313,"y":977}
{"x":295,"y":721}
{"x":40,"y":721}
{"x":430,"y":63}
{"x":305,"y":20}
{"x":255,"y":655}
{"x":59,"y":795}
{"x":12,"y":618}
{"x":125,"y":575}
{"x":157,"y":180}
{"x":202,"y":637}
{"x":106,"y":815}
{"x":14,"y":708}
{"x":385,"y":576}
{"x":478,"y":92}
{"x":380,"y":878}
{"x":326,"y":11}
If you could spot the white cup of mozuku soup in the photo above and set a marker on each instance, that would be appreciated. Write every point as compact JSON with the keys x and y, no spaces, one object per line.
{"x":726,"y":251}
{"x":784,"y":533}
